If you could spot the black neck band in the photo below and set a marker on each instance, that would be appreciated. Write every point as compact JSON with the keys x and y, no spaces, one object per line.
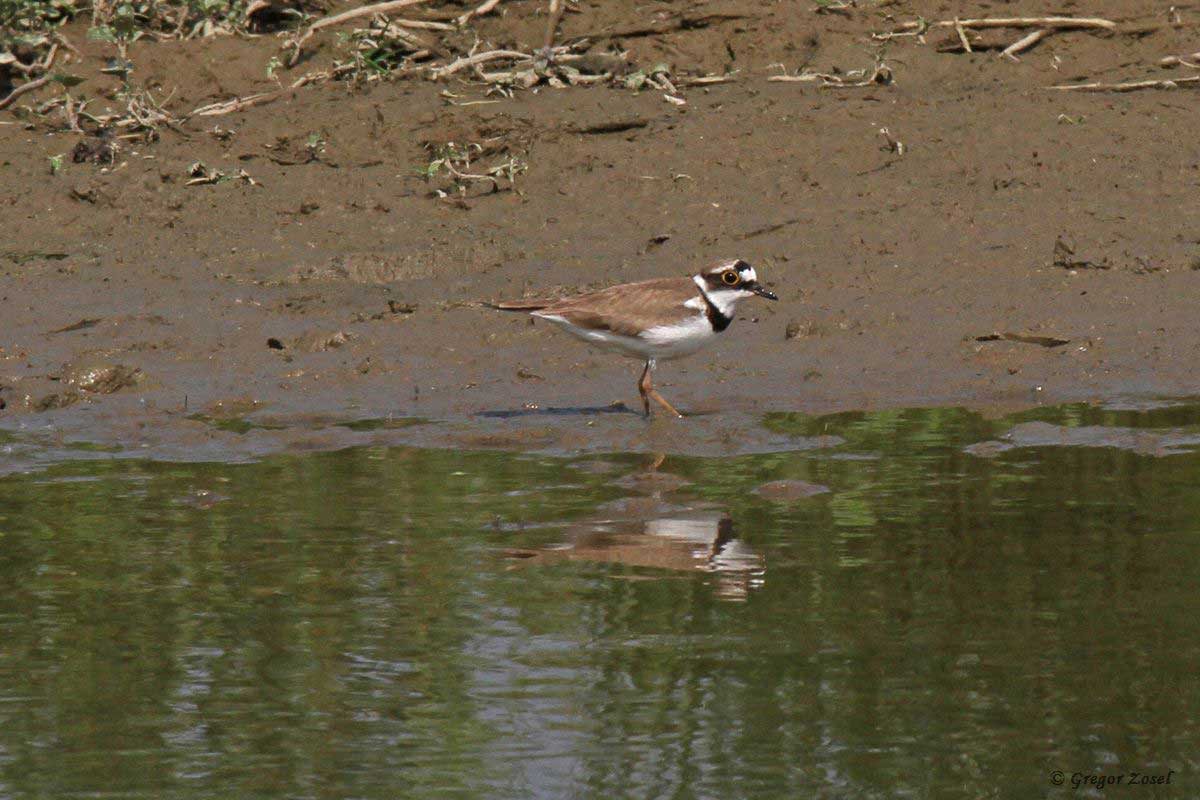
{"x":717,"y":319}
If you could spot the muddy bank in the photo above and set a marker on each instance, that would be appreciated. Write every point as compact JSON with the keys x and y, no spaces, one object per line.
{"x":1023,"y":246}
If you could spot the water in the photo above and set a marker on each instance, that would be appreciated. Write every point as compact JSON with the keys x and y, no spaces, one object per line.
{"x":973,"y":605}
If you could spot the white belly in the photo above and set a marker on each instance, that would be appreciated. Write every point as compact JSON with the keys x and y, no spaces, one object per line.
{"x":664,"y":342}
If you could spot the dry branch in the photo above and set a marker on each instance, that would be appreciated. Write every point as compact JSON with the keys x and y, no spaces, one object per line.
{"x":1131,"y":86}
{"x":346,"y":16}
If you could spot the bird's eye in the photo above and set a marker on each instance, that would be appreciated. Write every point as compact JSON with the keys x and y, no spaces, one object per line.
{"x":730,"y":278}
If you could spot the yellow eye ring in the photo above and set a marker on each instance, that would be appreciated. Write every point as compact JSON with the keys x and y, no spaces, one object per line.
{"x":730,"y":278}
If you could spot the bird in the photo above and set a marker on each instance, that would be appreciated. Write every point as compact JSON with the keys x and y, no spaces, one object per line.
{"x":654,"y":320}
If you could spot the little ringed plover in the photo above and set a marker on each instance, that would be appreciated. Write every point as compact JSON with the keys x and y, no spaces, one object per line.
{"x":653,"y":320}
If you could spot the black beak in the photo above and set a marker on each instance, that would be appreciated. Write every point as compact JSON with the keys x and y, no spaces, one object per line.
{"x":760,"y":290}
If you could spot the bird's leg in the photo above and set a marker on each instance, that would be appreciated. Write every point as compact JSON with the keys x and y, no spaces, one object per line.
{"x":644,"y":389}
{"x":647,"y":391}
{"x":663,"y":402}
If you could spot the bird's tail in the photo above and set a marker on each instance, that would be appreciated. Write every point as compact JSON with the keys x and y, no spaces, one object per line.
{"x":520,"y":305}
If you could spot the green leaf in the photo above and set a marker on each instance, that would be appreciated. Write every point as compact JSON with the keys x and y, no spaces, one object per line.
{"x":102,"y":33}
{"x":66,"y":79}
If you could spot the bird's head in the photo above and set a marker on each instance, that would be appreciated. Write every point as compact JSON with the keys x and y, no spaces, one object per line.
{"x":731,"y":281}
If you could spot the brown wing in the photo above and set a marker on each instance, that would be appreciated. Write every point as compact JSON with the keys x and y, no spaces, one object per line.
{"x":520,"y":305}
{"x":629,"y":308}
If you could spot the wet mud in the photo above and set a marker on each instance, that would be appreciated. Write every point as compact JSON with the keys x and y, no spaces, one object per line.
{"x":958,"y":236}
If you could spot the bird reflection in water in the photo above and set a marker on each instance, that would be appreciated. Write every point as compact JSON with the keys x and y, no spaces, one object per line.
{"x":649,"y":533}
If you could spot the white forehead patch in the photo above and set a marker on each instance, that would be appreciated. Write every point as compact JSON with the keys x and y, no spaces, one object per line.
{"x":744,"y":270}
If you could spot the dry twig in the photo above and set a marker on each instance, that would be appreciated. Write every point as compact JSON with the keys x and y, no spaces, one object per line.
{"x":1056,"y":23}
{"x":29,"y":69}
{"x":1024,"y":43}
{"x":1131,"y":86}
{"x":962,"y":36}
{"x":44,"y":65}
{"x":252,"y":8}
{"x":1192,"y":61}
{"x":29,"y":86}
{"x":479,"y":58}
{"x":383,"y":32}
{"x":484,"y":8}
{"x":422,"y":24}
{"x":346,"y":16}
{"x":242,"y":103}
{"x":917,"y":29}
{"x":708,"y":80}
{"x":456,"y":161}
{"x":681,"y":23}
{"x":556,"y":12}
{"x":882,"y":75}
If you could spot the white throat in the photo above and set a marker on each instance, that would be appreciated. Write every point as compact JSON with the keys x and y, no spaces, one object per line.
{"x":725,"y":300}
